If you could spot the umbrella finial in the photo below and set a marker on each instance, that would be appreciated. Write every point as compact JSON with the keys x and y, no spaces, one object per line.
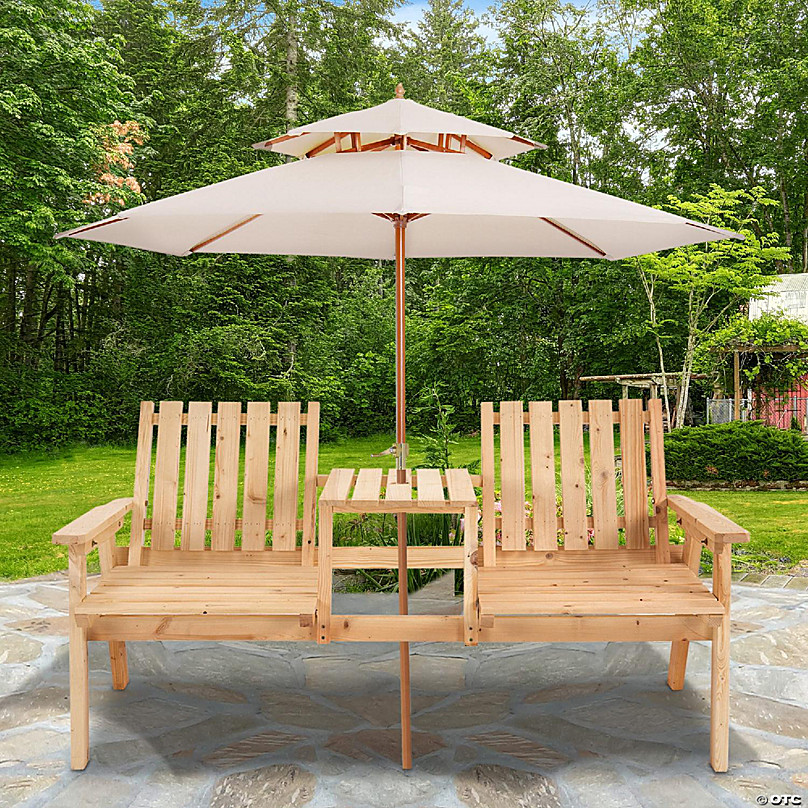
{"x":399,"y":90}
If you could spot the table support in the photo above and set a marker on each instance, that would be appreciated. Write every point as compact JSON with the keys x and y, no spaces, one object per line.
{"x":404,"y":647}
{"x":388,"y":491}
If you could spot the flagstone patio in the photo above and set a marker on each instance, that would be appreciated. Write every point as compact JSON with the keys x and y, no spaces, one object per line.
{"x":281,"y":724}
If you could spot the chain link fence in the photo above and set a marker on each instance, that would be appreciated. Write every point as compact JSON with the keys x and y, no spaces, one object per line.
{"x":722,"y":410}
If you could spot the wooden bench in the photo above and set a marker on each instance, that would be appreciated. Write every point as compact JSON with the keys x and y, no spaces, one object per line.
{"x":596,"y":576}
{"x":195,"y":576}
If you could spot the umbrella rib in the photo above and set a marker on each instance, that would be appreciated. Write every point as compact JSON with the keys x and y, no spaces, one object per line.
{"x":223,"y":233}
{"x":78,"y":230}
{"x":713,"y":230}
{"x":573,"y":235}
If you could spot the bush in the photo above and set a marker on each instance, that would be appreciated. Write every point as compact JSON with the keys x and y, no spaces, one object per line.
{"x":736,"y":451}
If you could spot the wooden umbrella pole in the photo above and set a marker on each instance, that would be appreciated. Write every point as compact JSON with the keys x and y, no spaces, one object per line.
{"x":400,"y":224}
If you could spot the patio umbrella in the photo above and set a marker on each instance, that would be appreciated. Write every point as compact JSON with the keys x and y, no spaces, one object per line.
{"x":399,"y":179}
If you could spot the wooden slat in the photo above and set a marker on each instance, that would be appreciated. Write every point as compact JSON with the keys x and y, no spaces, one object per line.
{"x":209,"y":524}
{"x":429,"y":485}
{"x":400,"y":505}
{"x":254,"y":571}
{"x":422,"y":557}
{"x":310,"y":481}
{"x":635,"y":493}
{"x":256,"y":471}
{"x":487,"y":469}
{"x":287,"y":471}
{"x":143,"y":461}
{"x":197,"y":475}
{"x":399,"y":492}
{"x":368,"y":486}
{"x":273,"y":419}
{"x":543,"y":476}
{"x":659,"y":489}
{"x":603,"y":602}
{"x":199,"y":627}
{"x":225,"y":479}
{"x":512,"y":474}
{"x":622,"y":557}
{"x":337,"y":487}
{"x":557,"y":420}
{"x":398,"y":628}
{"x":604,"y":492}
{"x":598,"y":628}
{"x":166,"y":474}
{"x":227,"y":604}
{"x":461,"y":491}
{"x":573,"y":475}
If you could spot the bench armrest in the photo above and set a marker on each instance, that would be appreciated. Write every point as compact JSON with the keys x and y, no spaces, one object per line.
{"x":705,"y":522}
{"x":98,"y":523}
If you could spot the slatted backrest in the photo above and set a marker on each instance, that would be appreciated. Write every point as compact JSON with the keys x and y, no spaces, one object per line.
{"x":188,"y":513}
{"x":574,"y":503}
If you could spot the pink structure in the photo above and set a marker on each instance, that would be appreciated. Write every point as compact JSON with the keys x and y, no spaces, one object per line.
{"x":779,"y":410}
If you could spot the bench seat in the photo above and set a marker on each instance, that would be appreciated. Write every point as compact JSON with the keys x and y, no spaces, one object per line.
{"x":590,"y":588}
{"x":261,"y":588}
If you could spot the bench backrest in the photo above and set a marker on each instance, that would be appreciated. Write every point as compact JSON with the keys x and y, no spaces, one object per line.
{"x":209,"y":514}
{"x":587,"y":515}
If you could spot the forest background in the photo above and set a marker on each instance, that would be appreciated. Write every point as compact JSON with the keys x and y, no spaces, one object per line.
{"x":698,"y":106}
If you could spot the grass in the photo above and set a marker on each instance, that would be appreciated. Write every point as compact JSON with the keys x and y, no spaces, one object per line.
{"x":40,"y":492}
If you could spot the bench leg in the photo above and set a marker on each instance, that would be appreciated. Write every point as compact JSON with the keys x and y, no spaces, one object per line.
{"x":79,"y":698}
{"x":119,"y":665}
{"x":719,"y":698}
{"x":678,"y":664}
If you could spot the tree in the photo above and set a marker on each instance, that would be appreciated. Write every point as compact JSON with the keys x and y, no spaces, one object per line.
{"x":564,"y":77}
{"x":713,"y":279}
{"x":723,"y":84}
{"x":445,"y":61}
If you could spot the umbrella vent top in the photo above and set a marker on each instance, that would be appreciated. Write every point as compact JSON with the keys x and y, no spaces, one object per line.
{"x":399,"y":124}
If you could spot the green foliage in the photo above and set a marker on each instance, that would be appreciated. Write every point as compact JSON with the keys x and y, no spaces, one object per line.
{"x":646,"y":102}
{"x":712,"y":279}
{"x":736,"y":451}
{"x":373,"y":529}
{"x":770,"y":372}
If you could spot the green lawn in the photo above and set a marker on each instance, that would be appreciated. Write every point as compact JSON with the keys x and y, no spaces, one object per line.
{"x":41,"y":492}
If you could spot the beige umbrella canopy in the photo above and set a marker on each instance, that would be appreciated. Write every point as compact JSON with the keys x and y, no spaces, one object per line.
{"x":365,"y":181}
{"x":388,"y":125}
{"x":337,"y":204}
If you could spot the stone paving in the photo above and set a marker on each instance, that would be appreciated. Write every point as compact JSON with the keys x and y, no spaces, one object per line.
{"x":279,"y":725}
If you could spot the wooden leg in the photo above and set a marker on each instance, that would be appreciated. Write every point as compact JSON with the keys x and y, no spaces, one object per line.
{"x":677,"y":664}
{"x":79,"y":698}
{"x":404,"y":647}
{"x":719,"y":684}
{"x":406,"y":710}
{"x":719,"y":698}
{"x":324,"y":584}
{"x":119,"y":665}
{"x":470,"y":605}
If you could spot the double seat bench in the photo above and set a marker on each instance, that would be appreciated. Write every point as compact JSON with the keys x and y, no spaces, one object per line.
{"x":574,"y":567}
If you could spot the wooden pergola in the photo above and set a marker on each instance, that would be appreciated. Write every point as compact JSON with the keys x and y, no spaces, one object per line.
{"x":739,"y":348}
{"x":643,"y":381}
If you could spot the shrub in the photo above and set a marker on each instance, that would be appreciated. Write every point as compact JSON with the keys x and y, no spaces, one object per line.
{"x":736,"y":451}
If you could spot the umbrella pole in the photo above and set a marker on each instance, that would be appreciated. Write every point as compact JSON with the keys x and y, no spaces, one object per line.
{"x":400,"y":224}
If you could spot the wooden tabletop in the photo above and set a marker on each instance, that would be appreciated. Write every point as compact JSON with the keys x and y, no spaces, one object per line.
{"x":376,"y":491}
